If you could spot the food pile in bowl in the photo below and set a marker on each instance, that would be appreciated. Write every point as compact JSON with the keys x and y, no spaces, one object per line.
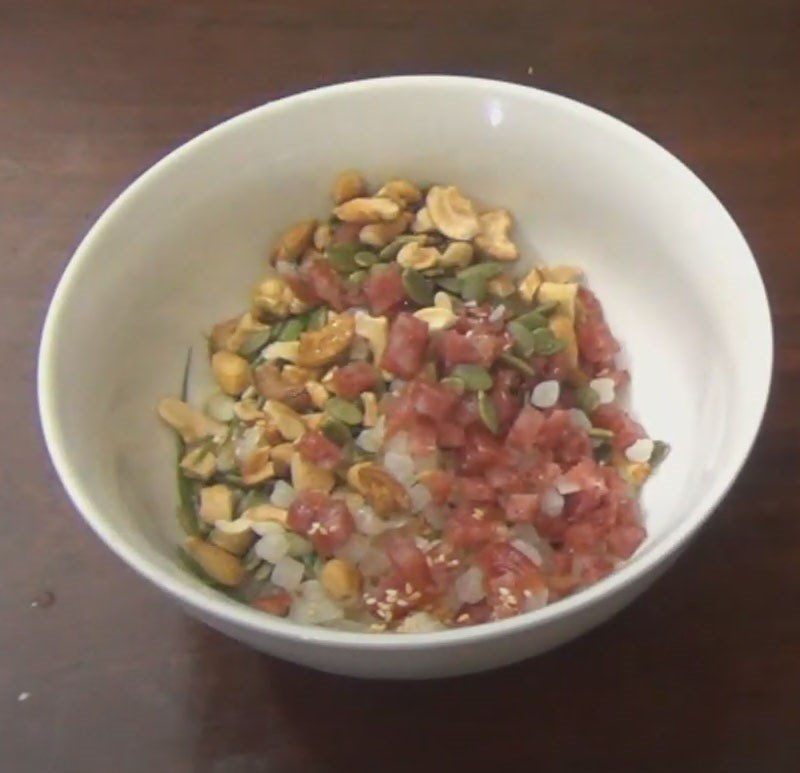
{"x":409,"y":433}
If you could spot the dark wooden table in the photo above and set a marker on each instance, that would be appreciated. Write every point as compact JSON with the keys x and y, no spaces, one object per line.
{"x":702,"y":673}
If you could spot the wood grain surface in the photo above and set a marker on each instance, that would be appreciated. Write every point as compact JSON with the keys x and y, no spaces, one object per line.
{"x":700,"y":674}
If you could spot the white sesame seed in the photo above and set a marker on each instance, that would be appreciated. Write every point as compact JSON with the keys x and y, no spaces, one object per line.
{"x":23,"y":696}
{"x":545,"y":394}
{"x":462,"y":618}
{"x":640,"y":451}
{"x":605,"y":389}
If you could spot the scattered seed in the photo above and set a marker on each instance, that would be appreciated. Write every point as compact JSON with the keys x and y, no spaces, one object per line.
{"x":389,"y":252}
{"x":292,"y":328}
{"x":335,"y":430}
{"x":485,"y":271}
{"x":318,"y":318}
{"x":358,"y":278}
{"x":449,"y":283}
{"x":532,"y":320}
{"x":365,"y":259}
{"x":451,"y":382}
{"x":516,"y":362}
{"x":255,"y":342}
{"x":545,"y":343}
{"x":474,"y":288}
{"x":524,"y":339}
{"x":342,"y":256}
{"x":598,"y":433}
{"x":419,"y":289}
{"x":587,"y":399}
{"x":474,"y":377}
{"x":344,"y":411}
{"x":487,"y":412}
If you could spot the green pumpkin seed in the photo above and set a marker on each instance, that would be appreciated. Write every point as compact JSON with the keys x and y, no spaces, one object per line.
{"x":532,"y":320}
{"x":252,"y":498}
{"x":255,"y":342}
{"x":433,"y":272}
{"x":344,"y":411}
{"x":546,"y":308}
{"x":357,"y":278}
{"x":487,"y":412}
{"x":389,"y":252}
{"x":545,"y":343}
{"x":524,"y":339}
{"x":660,"y":452}
{"x":365,"y":259}
{"x":292,"y":328}
{"x":450,"y":284}
{"x":598,"y":433}
{"x":587,"y":399}
{"x":336,"y":430}
{"x":277,"y":329}
{"x":485,"y":271}
{"x":342,"y":256}
{"x":474,"y":288}
{"x":318,"y":318}
{"x":379,"y":268}
{"x":516,"y":362}
{"x":451,"y":382}
{"x":474,"y":377}
{"x":417,"y":287}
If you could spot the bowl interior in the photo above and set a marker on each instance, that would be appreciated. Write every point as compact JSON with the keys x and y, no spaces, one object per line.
{"x":182,"y":248}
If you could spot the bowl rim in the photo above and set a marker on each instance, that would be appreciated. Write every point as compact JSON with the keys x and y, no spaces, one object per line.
{"x":238,"y":615}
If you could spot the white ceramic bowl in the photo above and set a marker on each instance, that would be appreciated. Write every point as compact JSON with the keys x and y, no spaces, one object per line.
{"x":180,"y":248}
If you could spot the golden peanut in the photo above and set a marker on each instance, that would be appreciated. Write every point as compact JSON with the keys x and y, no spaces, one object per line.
{"x":265,"y":513}
{"x":281,"y":456}
{"x":216,"y":503}
{"x":236,"y":541}
{"x":341,"y":579}
{"x":403,"y":192}
{"x":309,"y":477}
{"x":380,"y":234}
{"x":274,"y":297}
{"x":258,"y":467}
{"x":289,"y":422}
{"x":348,"y":185}
{"x":365,"y":210}
{"x":216,"y":563}
{"x":190,"y":424}
{"x":384,"y":493}
{"x":231,"y":371}
{"x":319,"y":347}
{"x":199,"y":463}
{"x":295,"y":240}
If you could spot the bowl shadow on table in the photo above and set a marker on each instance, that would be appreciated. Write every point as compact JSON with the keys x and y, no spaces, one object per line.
{"x":624,"y":693}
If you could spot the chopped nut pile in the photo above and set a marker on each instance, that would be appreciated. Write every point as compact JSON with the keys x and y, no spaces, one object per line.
{"x":409,"y":433}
